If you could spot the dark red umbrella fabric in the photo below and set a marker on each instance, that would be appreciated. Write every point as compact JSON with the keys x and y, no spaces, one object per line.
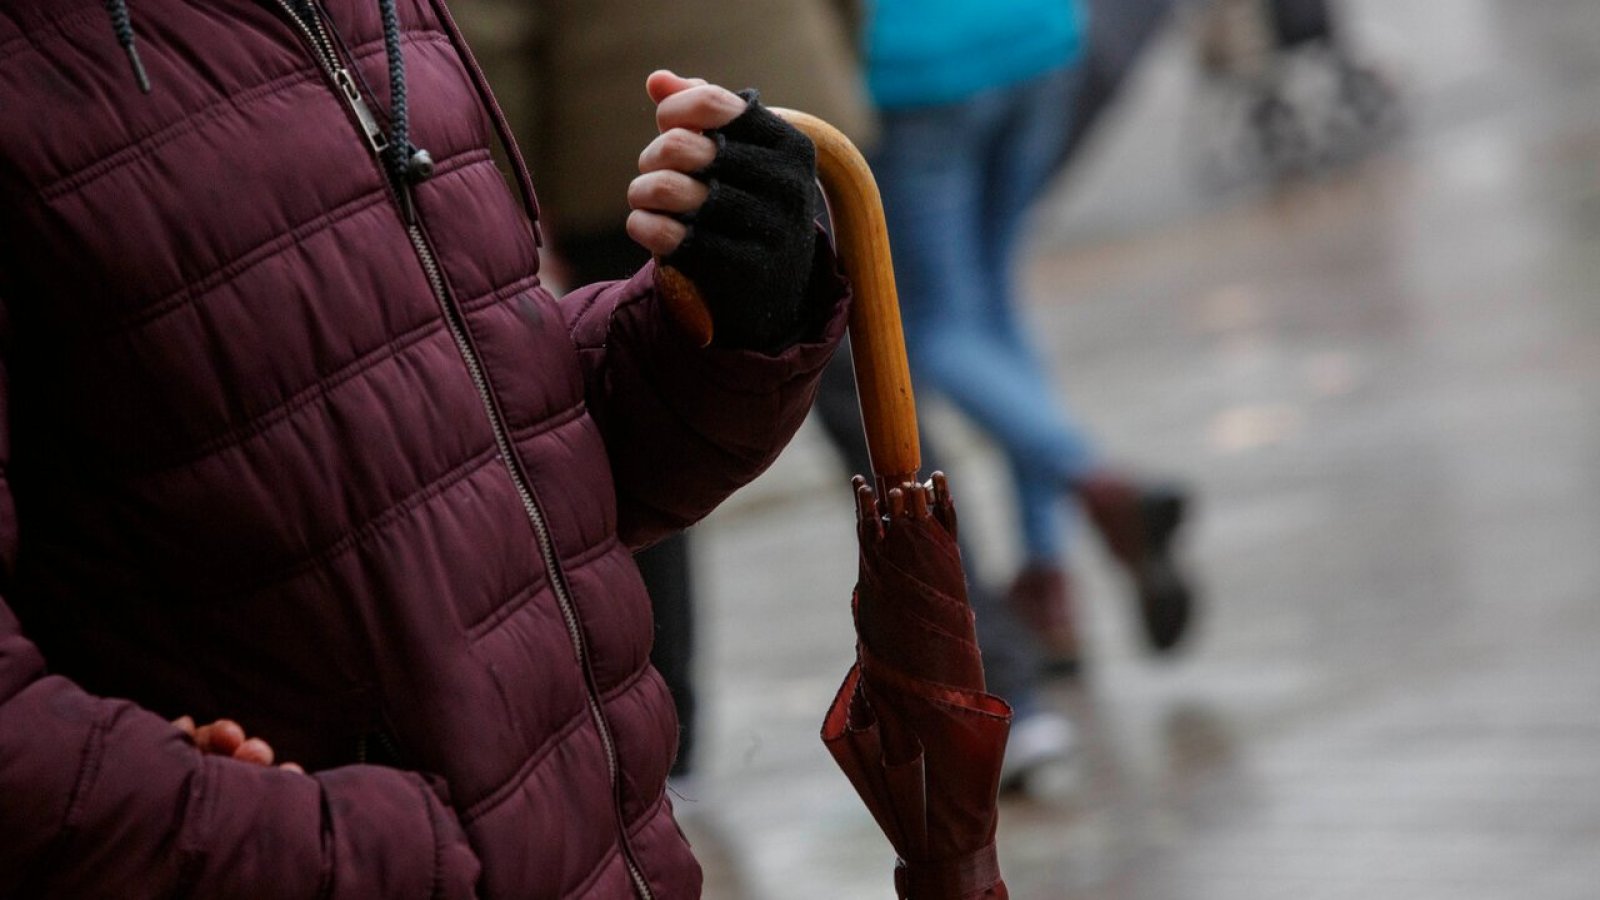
{"x":911,"y":726}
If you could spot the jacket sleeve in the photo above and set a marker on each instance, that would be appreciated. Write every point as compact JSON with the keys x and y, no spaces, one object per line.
{"x":686,"y":426}
{"x":100,"y":798}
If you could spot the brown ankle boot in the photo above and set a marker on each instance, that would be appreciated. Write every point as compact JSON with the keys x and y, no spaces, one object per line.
{"x":1139,"y":523}
{"x":1041,"y":597}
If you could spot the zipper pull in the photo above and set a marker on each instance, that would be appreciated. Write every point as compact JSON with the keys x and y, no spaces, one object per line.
{"x":369,"y":122}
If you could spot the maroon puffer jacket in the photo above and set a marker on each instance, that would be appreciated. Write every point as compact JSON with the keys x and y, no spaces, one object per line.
{"x":270,"y":453}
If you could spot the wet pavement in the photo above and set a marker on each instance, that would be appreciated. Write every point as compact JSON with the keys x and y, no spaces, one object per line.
{"x":1385,"y":385}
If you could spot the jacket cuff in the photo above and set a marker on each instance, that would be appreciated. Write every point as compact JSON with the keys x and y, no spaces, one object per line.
{"x":393,"y":836}
{"x":827,"y":309}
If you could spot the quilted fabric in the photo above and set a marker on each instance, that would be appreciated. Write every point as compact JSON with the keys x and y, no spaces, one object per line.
{"x":247,"y":472}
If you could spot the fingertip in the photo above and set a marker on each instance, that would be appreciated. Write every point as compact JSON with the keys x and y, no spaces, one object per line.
{"x":254,"y":750}
{"x":663,"y":83}
{"x":185,"y":724}
{"x":226,"y":735}
{"x":659,"y":234}
{"x":635,"y":227}
{"x":293,"y":767}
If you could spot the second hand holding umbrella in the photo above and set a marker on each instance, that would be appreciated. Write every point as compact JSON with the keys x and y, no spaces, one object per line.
{"x":911,"y":726}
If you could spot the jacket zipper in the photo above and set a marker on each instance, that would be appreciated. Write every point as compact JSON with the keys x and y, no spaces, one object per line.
{"x":535,"y":515}
{"x":316,"y":35}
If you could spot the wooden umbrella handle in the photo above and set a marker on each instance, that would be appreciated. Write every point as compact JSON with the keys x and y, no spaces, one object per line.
{"x":877,"y":345}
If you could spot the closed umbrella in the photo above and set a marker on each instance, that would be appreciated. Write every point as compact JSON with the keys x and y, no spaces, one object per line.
{"x":911,"y":726}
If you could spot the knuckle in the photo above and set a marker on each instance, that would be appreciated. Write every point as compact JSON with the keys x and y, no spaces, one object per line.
{"x":719,"y":100}
{"x":667,"y":193}
{"x":659,"y":190}
{"x":655,"y":193}
{"x":681,"y":144}
{"x":731,"y":104}
{"x":704,"y":100}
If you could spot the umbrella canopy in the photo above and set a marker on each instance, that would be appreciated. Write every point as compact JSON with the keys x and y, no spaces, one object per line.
{"x":911,"y":726}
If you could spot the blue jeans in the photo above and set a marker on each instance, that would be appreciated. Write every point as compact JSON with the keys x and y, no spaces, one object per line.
{"x":957,"y":184}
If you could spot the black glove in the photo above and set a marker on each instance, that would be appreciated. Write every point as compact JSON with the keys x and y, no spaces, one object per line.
{"x":751,"y":245}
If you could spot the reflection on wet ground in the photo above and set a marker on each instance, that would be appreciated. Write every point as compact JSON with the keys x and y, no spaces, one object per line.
{"x":1386,"y":385}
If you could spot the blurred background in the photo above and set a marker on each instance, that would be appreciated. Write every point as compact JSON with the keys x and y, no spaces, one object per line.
{"x":1361,"y":321}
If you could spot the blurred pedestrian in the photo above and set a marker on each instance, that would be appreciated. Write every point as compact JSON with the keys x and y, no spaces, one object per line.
{"x":563,"y":70}
{"x":975,"y":105}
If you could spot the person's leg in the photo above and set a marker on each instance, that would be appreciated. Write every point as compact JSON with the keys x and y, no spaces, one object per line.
{"x":1138,"y":521}
{"x":1023,"y":152}
{"x":666,"y":571}
{"x":931,"y":169}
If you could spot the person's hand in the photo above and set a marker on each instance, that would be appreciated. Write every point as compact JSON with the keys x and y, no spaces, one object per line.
{"x":726,"y":196}
{"x":224,"y":737}
{"x":666,"y":189}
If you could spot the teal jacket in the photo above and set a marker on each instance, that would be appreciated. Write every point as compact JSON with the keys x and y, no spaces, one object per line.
{"x":929,"y":52}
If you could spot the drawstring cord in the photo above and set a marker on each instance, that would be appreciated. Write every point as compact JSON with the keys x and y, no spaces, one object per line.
{"x":407,"y":163}
{"x":122,"y":24}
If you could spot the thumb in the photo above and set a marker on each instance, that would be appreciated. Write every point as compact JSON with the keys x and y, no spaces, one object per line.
{"x":663,"y":83}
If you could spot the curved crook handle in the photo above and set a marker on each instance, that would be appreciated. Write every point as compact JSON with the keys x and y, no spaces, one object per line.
{"x":877,"y":345}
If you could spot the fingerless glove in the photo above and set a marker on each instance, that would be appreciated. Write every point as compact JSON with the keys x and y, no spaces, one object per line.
{"x":751,"y":245}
